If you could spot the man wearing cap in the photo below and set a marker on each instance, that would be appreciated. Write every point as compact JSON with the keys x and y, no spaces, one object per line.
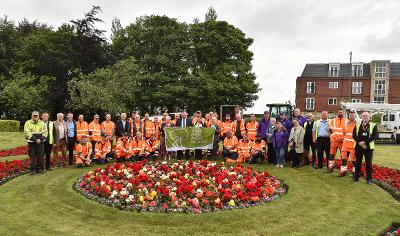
{"x":263,"y":126}
{"x":35,"y":132}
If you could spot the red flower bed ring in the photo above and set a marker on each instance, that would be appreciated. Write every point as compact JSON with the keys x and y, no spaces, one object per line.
{"x":179,"y":187}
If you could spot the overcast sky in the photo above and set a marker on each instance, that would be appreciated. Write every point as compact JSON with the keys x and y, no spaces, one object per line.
{"x":287,"y":34}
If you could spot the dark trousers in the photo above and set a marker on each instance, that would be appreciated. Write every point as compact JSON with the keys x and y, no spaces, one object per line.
{"x":368,"y":154}
{"x":71,"y":146}
{"x":295,"y":158}
{"x":258,"y":156}
{"x":62,"y":144}
{"x":35,"y":153}
{"x":307,"y":145}
{"x":198,"y":154}
{"x":179,"y":154}
{"x":271,"y":154}
{"x":214,"y":151}
{"x":231,"y":155}
{"x":323,"y":145}
{"x":47,"y":154}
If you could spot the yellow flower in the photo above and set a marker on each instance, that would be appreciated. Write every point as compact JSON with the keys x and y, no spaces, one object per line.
{"x":231,"y":203}
{"x":153,"y":193}
{"x":141,"y":198}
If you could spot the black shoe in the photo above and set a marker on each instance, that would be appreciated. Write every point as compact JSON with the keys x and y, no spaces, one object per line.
{"x":49,"y":169}
{"x":33,"y":172}
{"x":355,"y":178}
{"x":39,"y":171}
{"x":369,"y":181}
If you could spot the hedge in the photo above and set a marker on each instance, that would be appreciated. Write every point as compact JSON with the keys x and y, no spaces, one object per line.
{"x":9,"y":126}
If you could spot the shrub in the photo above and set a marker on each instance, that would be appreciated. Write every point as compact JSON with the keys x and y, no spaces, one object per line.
{"x":9,"y":126}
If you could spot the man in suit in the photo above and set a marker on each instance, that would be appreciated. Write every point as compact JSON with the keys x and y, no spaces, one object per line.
{"x":183,"y":123}
{"x":122,"y":126}
{"x":48,"y":143}
{"x":60,"y":139}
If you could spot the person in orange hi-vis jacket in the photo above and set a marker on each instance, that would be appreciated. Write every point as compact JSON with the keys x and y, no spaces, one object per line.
{"x":348,"y":148}
{"x":336,"y":125}
{"x":108,"y":128}
{"x":82,"y":128}
{"x":123,"y":150}
{"x":139,"y":147}
{"x":252,"y":127}
{"x":244,"y":148}
{"x":83,"y":151}
{"x":229,"y":151}
{"x":257,"y":150}
{"x":148,"y":127}
{"x":157,"y":127}
{"x":94,"y":131}
{"x":152,"y":147}
{"x":226,"y":126}
{"x":102,"y":150}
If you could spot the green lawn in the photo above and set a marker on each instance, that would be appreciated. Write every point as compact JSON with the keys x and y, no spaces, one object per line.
{"x":317,"y":204}
{"x":11,"y":140}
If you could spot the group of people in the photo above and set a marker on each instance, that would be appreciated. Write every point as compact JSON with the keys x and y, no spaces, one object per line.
{"x":303,"y":140}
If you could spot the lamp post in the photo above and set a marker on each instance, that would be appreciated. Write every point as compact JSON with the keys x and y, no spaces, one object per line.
{"x":350,"y":74}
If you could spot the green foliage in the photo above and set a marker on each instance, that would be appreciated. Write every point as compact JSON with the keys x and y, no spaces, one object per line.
{"x":155,"y":63}
{"x":9,"y":125}
{"x":25,"y":93}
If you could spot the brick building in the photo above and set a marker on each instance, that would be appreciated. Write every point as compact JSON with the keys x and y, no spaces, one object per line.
{"x":324,"y":86}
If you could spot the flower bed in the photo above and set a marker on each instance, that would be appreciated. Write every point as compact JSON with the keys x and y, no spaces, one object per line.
{"x":190,"y":187}
{"x":22,"y":150}
{"x":386,"y":178}
{"x":392,"y":230}
{"x":12,"y":169}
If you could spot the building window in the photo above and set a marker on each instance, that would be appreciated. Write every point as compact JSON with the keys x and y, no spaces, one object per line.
{"x":356,"y":100}
{"x":334,"y":70}
{"x":310,"y":103}
{"x":358,"y":70}
{"x":311,"y":87}
{"x":356,"y":88}
{"x":332,"y":101}
{"x":333,"y":85}
{"x":380,"y":69}
{"x":380,"y":87}
{"x":379,"y":99}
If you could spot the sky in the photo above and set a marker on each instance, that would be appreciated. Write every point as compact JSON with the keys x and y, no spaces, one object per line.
{"x":287,"y":34}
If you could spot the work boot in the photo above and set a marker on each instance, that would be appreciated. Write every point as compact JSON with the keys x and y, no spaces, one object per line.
{"x":343,"y":171}
{"x":331,"y":165}
{"x":33,"y":172}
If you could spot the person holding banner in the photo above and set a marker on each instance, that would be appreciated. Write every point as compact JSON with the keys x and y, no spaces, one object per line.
{"x":230,"y":147}
{"x":214,"y":124}
{"x":198,"y":124}
{"x":183,"y":123}
{"x":163,"y":147}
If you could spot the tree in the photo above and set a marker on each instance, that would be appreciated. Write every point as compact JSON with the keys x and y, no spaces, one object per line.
{"x":24,"y":94}
{"x":211,"y":14}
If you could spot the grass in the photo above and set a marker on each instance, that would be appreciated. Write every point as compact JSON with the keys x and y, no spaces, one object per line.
{"x":11,"y":140}
{"x":317,"y":204}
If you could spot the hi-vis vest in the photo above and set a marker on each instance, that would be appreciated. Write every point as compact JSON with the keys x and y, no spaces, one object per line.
{"x":317,"y":127}
{"x":51,"y":136}
{"x":348,"y":140}
{"x":371,"y":128}
{"x":81,"y":129}
{"x":336,"y":125}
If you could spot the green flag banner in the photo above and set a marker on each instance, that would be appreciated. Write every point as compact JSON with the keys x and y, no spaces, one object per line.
{"x":189,"y":138}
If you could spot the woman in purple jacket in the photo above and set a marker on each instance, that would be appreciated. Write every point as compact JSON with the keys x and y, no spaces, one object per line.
{"x":280,"y":143}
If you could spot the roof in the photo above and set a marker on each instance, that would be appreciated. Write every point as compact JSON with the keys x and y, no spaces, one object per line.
{"x":322,"y":69}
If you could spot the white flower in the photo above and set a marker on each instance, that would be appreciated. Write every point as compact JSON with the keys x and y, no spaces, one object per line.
{"x":129,"y":176}
{"x":164,"y":162}
{"x":199,"y":190}
{"x":102,"y":183}
{"x":129,"y":185}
